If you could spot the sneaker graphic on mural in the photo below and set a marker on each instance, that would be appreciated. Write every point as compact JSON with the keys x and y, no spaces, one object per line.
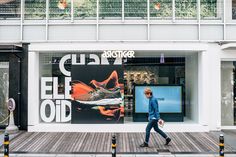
{"x":101,"y":96}
{"x":110,"y":83}
{"x":79,"y":88}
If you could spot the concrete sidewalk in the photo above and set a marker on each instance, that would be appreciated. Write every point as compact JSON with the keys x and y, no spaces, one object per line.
{"x":119,"y":155}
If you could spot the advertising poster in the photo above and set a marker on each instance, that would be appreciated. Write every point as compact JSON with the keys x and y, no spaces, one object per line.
{"x":97,"y":93}
{"x":169,"y":99}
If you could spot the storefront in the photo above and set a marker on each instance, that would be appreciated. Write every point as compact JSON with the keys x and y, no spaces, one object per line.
{"x":81,"y":90}
{"x":178,"y":49}
{"x":13,"y":83}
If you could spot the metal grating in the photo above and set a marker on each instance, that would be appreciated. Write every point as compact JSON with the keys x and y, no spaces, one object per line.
{"x":161,"y":9}
{"x":186,"y":9}
{"x":85,"y":9}
{"x":135,"y":9}
{"x":110,"y":8}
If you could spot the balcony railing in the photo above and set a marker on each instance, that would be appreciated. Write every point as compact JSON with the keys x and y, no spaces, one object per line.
{"x":117,"y":20}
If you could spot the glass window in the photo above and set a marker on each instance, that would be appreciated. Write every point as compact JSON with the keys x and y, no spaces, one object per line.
{"x":135,"y":8}
{"x":228,"y":93}
{"x":9,"y":9}
{"x":233,"y":9}
{"x":159,"y":71}
{"x":186,"y":9}
{"x":110,"y":9}
{"x":85,"y":9}
{"x":35,"y":9}
{"x":211,"y":9}
{"x":4,"y":90}
{"x":161,"y":9}
{"x":59,"y":9}
{"x":49,"y":67}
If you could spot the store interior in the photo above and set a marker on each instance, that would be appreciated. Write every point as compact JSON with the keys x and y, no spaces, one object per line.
{"x":168,"y":70}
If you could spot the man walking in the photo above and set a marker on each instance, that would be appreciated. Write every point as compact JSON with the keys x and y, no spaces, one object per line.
{"x":153,"y":117}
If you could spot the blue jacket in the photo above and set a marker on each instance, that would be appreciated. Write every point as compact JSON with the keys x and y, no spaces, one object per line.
{"x":153,"y":112}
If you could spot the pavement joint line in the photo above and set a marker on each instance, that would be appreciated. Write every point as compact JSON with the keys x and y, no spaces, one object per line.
{"x":118,"y":155}
{"x":98,"y":153}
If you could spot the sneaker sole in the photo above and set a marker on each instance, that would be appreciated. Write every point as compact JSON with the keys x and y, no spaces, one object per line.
{"x":103,"y":102}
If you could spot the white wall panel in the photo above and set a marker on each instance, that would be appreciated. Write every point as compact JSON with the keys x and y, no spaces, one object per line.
{"x":34,"y":33}
{"x":123,"y":32}
{"x":69,"y":32}
{"x":33,"y":88}
{"x":9,"y":33}
{"x":212,"y":32}
{"x":231,"y":32}
{"x":174,"y":32}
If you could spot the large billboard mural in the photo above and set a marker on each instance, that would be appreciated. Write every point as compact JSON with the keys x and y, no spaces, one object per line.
{"x":84,"y":88}
{"x":97,"y":94}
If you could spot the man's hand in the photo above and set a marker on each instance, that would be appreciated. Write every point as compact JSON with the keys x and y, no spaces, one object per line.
{"x":161,"y":122}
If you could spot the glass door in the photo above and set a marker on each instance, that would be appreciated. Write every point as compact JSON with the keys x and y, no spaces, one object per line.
{"x":4,"y":91}
{"x":228,"y":93}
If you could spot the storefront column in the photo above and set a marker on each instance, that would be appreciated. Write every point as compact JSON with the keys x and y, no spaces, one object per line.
{"x":203,"y":94}
{"x":209,"y":88}
{"x":215,"y":86}
{"x":33,"y":85}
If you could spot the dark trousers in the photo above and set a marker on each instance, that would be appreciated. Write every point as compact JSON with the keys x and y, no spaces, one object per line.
{"x":153,"y":124}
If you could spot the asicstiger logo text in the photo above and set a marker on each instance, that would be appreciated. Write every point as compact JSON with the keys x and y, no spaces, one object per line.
{"x":118,"y":54}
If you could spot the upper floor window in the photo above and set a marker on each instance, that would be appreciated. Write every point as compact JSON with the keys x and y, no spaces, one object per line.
{"x":160,"y":9}
{"x":211,"y":9}
{"x":186,"y":9}
{"x":85,"y":9}
{"x":115,"y":9}
{"x":9,"y":9}
{"x":59,"y":9}
{"x":110,"y":9}
{"x":135,"y":9}
{"x":35,"y":9}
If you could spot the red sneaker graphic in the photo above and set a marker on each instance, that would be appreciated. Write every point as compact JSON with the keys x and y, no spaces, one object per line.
{"x":80,"y":88}
{"x":110,"y":83}
{"x":100,"y":96}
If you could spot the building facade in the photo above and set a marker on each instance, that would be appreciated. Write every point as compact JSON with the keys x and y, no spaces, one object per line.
{"x":182,"y":48}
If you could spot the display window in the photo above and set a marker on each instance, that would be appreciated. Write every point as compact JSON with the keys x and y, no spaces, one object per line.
{"x":86,"y":88}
